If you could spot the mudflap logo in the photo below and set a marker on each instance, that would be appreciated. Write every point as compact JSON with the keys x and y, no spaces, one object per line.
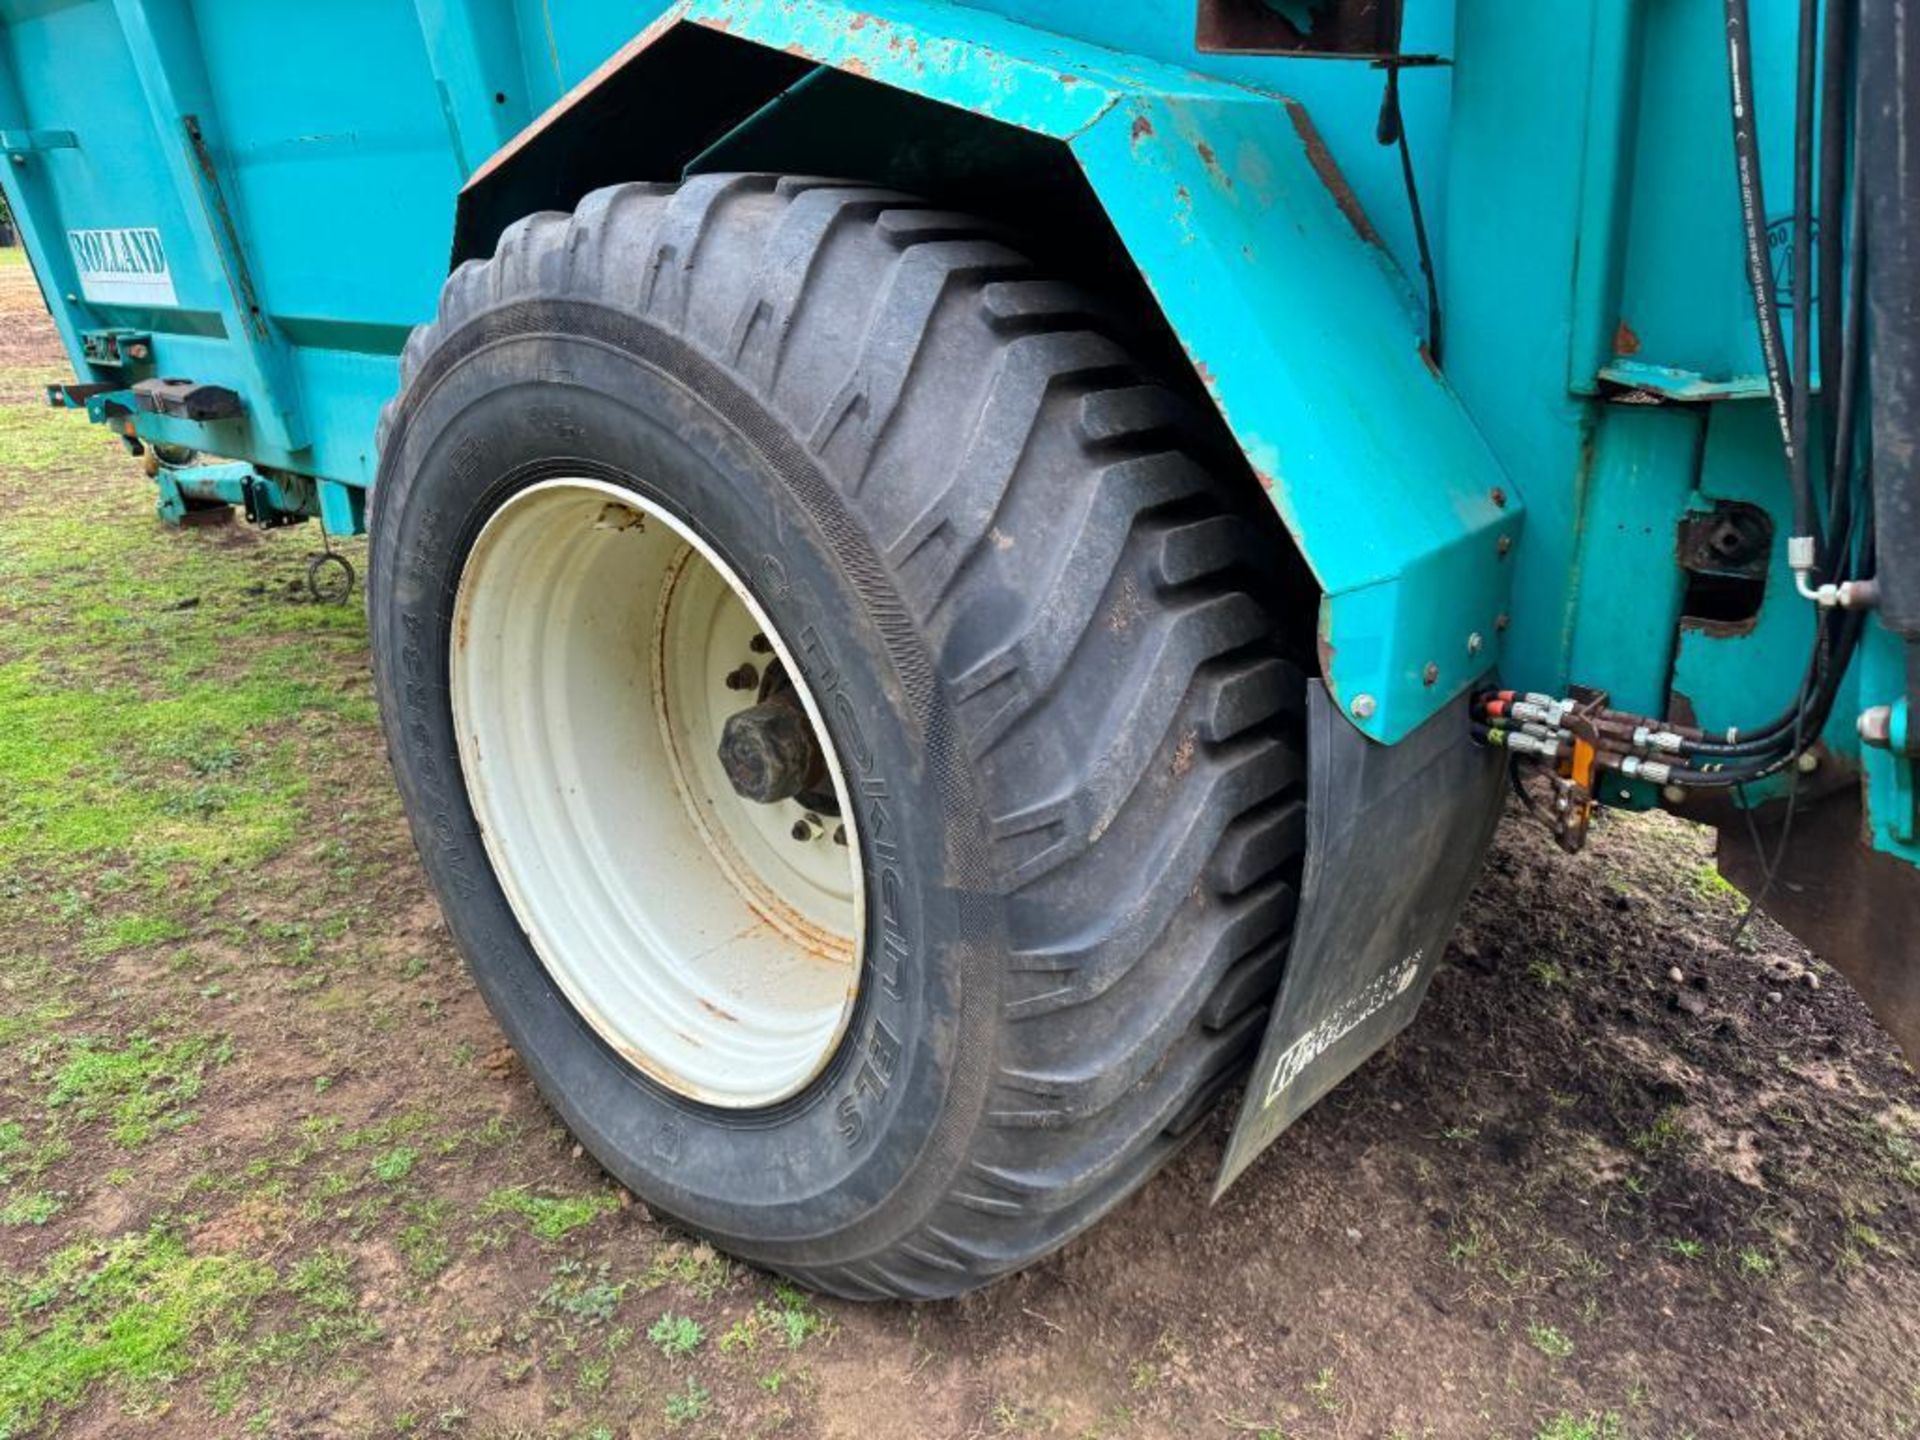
{"x":1353,"y":1012}
{"x":122,"y":267}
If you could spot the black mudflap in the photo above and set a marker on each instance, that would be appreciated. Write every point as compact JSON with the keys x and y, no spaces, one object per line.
{"x":1395,"y":836}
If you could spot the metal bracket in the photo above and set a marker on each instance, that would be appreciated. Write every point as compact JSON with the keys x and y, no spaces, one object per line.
{"x":269,"y":501}
{"x":116,"y":349}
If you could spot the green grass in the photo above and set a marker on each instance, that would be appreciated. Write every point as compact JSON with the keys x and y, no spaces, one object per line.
{"x":132,"y":1315}
{"x":1755,"y":1264}
{"x":159,"y":695}
{"x":1549,"y":1341}
{"x":423,"y":1239}
{"x":36,"y":1208}
{"x":396,"y":1164}
{"x":93,"y":771}
{"x":689,"y":1404}
{"x":142,"y":1086}
{"x":676,"y":1334}
{"x":550,"y":1217}
{"x":1668,"y":1132}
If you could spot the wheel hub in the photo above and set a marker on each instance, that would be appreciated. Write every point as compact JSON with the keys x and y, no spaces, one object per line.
{"x":769,"y":751}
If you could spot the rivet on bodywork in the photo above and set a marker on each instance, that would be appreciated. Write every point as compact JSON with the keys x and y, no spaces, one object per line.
{"x":1363,"y":707}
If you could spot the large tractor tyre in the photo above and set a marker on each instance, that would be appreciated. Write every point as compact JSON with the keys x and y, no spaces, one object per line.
{"x":841,"y":711}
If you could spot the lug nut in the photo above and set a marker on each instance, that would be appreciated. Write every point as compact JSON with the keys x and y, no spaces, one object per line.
{"x":807,"y":828}
{"x":744,"y":677}
{"x":760,"y":645}
{"x":840,"y":835}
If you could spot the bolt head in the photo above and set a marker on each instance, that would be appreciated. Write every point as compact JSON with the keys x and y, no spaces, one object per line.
{"x":1364,"y":707}
{"x":1673,"y":794}
{"x":1501,"y":621}
{"x":1808,"y":762}
{"x":1431,"y":675}
{"x":1504,"y":544}
{"x":1475,"y":643}
{"x":1876,"y":726}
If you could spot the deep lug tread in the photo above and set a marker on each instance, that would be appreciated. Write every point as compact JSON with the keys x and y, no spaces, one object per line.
{"x":1137,"y":738}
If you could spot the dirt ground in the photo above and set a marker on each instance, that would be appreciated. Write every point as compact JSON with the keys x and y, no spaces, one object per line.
{"x":266,"y":1167}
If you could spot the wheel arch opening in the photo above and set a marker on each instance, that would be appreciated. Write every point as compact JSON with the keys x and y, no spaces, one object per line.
{"x":690,"y":100}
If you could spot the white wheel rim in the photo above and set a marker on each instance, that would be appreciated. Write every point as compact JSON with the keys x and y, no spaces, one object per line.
{"x":593,"y":636}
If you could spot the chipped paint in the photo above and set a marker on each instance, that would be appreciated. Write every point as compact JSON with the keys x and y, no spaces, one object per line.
{"x":1328,"y":169}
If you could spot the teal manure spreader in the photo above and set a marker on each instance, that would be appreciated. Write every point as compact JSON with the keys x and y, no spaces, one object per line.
{"x":952,"y":581}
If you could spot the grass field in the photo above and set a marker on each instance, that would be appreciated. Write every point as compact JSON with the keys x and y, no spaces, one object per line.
{"x":266,"y":1167}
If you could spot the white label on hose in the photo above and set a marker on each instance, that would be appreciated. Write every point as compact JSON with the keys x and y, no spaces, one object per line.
{"x":122,"y":267}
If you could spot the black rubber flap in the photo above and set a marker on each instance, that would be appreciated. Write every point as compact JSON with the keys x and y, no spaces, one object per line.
{"x":1395,"y":836}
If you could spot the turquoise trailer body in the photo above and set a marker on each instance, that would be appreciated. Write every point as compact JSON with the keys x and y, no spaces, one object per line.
{"x":1477,"y":313}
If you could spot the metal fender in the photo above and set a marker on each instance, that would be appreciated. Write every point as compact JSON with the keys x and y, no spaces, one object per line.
{"x":1300,"y":326}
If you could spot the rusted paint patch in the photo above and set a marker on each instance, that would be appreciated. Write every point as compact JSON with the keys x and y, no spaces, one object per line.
{"x":1625,"y":342}
{"x":1328,"y":169}
{"x":1212,"y":162}
{"x":1142,"y":129}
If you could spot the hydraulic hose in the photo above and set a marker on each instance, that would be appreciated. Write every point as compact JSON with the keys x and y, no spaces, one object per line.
{"x":1800,"y":396}
{"x":1753,"y":216}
